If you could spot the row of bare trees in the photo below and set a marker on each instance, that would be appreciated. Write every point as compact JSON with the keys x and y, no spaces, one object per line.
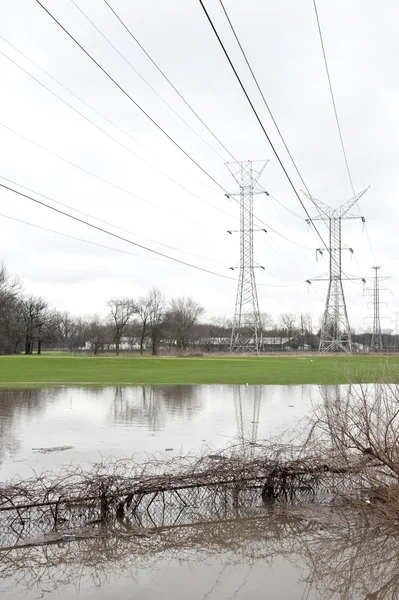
{"x":28,"y":324}
{"x":24,"y":320}
{"x":152,"y":317}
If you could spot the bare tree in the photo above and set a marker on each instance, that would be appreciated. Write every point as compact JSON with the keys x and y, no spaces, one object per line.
{"x":183,"y":314}
{"x":288,"y":325}
{"x":68,"y":329}
{"x":121,"y":311}
{"x":213,"y":335}
{"x":143,"y":311}
{"x":47,"y":329}
{"x":266,"y":322}
{"x":11,"y":328}
{"x":97,"y":334}
{"x":156,"y":318}
{"x":306,"y":329}
{"x":35,"y":313}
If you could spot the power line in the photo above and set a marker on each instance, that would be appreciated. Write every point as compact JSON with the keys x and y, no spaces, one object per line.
{"x":195,"y":162}
{"x":146,"y":114}
{"x":369,"y":241}
{"x":142,"y":78}
{"x":73,"y":237}
{"x":58,"y":82}
{"x":259,"y":121}
{"x":183,"y":47}
{"x":119,"y":188}
{"x":123,"y":239}
{"x":333,"y":99}
{"x":168,"y":80}
{"x":102,"y":230}
{"x":285,"y":207}
{"x":112,"y":137}
{"x":107,"y":222}
{"x":113,"y":185}
{"x":288,"y":239}
{"x":122,"y":89}
{"x":257,"y":116}
{"x":310,"y":220}
{"x":261,"y":93}
{"x":336,"y":116}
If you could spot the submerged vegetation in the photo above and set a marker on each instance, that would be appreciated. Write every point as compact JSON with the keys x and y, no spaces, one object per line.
{"x":324,"y":497}
{"x":345,"y":454}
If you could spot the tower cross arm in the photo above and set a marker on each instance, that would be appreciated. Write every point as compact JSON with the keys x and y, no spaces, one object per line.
{"x":326,"y":212}
{"x":345,"y":208}
{"x":246,"y":169}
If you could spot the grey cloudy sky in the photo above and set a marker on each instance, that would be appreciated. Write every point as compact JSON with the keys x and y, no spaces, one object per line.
{"x":113,"y":183}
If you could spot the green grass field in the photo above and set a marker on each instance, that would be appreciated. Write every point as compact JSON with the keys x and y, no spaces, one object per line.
{"x":34,"y":371}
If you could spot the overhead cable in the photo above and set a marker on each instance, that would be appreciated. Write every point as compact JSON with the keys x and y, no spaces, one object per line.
{"x":337,"y":117}
{"x":74,"y":237}
{"x":115,"y":235}
{"x":195,"y":113}
{"x":85,"y":214}
{"x":113,"y":138}
{"x":98,"y":177}
{"x":143,"y":79}
{"x":333,"y":100}
{"x":140,"y":108}
{"x":159,"y":127}
{"x":262,"y":94}
{"x":102,"y":230}
{"x":260,"y":122}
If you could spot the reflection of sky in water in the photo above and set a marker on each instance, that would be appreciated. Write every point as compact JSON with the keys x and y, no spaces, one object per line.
{"x":259,"y":558}
{"x":124,"y":421}
{"x":245,"y":559}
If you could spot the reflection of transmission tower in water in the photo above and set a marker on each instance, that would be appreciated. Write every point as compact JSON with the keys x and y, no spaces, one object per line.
{"x":247,"y":435}
{"x":246,"y":332}
{"x":335,"y":331}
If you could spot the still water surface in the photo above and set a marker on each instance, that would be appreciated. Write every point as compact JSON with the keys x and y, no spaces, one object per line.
{"x":259,"y":557}
{"x":118,"y":421}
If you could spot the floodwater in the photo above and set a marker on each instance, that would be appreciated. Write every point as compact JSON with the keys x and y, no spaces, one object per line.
{"x":256,"y":554}
{"x":244,"y":559}
{"x":91,"y":423}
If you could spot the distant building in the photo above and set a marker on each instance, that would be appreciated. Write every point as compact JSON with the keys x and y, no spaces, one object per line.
{"x":126,"y":344}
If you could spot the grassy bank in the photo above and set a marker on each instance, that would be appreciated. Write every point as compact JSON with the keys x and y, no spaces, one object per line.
{"x":45,"y":370}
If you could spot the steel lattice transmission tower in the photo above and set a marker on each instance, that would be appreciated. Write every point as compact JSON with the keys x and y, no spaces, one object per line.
{"x":246,"y":333}
{"x":335,"y":330}
{"x":376,"y":337}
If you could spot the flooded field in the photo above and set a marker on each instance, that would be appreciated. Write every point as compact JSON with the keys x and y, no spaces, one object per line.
{"x":253,"y":558}
{"x":85,"y":424}
{"x":209,"y":544}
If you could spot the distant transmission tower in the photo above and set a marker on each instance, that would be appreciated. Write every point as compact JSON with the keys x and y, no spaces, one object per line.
{"x":335,"y":330}
{"x":376,"y":337}
{"x":246,"y":333}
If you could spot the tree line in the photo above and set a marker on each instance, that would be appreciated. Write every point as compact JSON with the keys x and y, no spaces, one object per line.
{"x":150,"y":323}
{"x":29,"y":324}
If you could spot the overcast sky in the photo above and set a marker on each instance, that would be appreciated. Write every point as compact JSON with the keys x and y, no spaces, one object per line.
{"x":147,"y":187}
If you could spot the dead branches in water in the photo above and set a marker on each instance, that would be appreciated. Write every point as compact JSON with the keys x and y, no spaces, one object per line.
{"x":349,"y":449}
{"x":361,"y":425}
{"x":159,"y":492}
